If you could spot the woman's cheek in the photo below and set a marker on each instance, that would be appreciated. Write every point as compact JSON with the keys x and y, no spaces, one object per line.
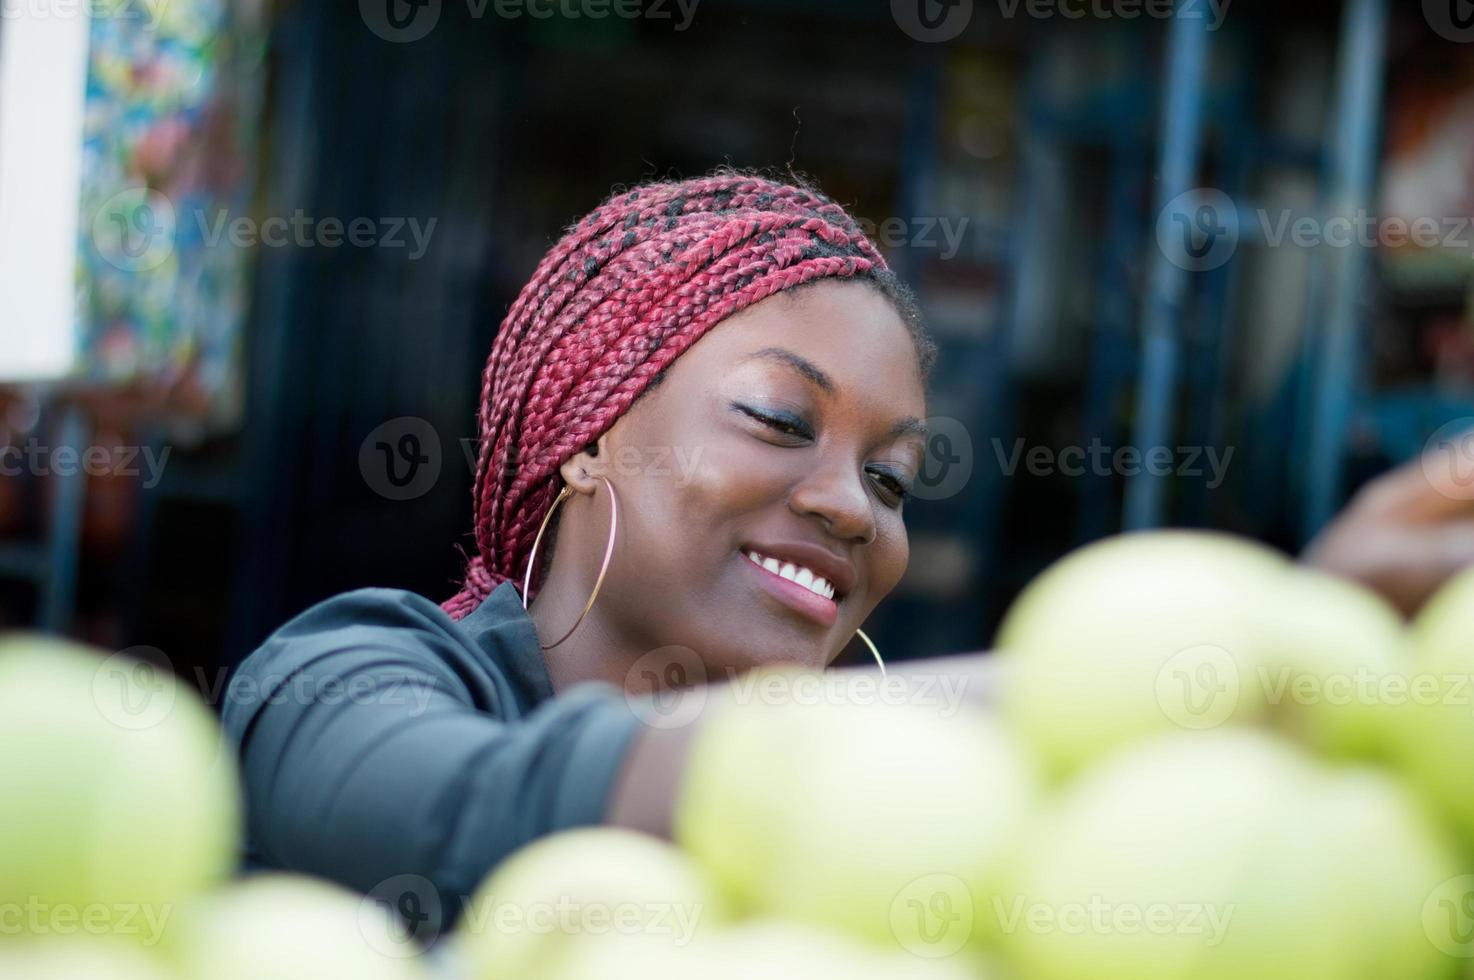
{"x":727,"y":481}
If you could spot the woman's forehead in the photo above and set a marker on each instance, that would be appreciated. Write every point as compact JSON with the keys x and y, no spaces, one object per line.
{"x":839,"y":326}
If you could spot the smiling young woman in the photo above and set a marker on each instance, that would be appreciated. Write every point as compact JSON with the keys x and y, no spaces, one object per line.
{"x":699,"y":423}
{"x":705,"y":411}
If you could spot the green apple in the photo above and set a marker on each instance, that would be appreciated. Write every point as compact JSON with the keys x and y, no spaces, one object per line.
{"x":1335,"y":663}
{"x":1133,"y":636}
{"x":883,"y":820}
{"x":1436,"y":725}
{"x":118,"y":794}
{"x":1194,"y":855}
{"x":78,"y":959}
{"x":1390,"y":860}
{"x":783,"y":950}
{"x":290,"y":927}
{"x":768,"y":948}
{"x":599,"y":885}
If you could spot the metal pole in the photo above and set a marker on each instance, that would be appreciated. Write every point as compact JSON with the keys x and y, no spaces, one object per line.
{"x":1182,"y":124}
{"x":64,"y":540}
{"x":1354,"y":155}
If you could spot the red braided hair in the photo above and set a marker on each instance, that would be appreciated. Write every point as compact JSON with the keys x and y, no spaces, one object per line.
{"x":617,"y":299}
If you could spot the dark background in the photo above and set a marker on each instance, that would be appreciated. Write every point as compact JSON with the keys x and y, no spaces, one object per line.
{"x":1047,"y":134}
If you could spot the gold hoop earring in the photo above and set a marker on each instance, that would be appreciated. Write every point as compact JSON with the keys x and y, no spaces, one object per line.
{"x":873,"y":652}
{"x":563,"y":495}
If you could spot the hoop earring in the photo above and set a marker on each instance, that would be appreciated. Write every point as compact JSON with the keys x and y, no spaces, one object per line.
{"x":563,"y":495}
{"x":873,"y":652}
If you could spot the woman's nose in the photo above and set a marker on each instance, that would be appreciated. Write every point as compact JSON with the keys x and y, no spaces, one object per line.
{"x":836,"y":492}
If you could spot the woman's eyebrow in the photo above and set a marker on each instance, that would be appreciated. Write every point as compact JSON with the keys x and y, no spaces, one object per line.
{"x":799,"y":363}
{"x":910,"y":425}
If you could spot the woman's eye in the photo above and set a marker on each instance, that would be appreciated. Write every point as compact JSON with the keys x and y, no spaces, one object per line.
{"x":892,"y":485}
{"x":789,"y":425}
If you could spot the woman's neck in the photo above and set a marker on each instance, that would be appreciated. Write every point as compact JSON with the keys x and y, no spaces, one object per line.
{"x":591,"y":654}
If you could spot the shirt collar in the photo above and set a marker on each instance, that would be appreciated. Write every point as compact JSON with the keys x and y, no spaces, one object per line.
{"x":505,"y":630}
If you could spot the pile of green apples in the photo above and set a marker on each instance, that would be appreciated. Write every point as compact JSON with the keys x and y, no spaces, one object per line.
{"x":1202,"y":761}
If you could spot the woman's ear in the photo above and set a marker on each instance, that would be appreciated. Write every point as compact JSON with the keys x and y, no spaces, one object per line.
{"x":582,"y":471}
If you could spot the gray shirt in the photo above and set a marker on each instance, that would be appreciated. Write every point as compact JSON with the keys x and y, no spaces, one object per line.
{"x":379,"y":738}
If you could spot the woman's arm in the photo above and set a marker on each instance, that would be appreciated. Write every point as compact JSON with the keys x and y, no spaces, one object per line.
{"x":377,"y":741}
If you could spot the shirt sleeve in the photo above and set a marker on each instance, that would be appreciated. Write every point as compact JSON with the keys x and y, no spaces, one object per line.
{"x":376,"y":740}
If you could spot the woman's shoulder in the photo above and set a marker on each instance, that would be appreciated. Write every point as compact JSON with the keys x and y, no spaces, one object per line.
{"x":491,"y":657}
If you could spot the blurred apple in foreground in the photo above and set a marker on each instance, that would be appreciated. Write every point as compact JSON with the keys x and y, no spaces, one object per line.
{"x":290,"y":927}
{"x":118,"y":797}
{"x":886,"y":821}
{"x":765,"y":948}
{"x":1436,"y":725}
{"x":77,"y":959}
{"x":1335,"y":664}
{"x":1149,"y":633}
{"x":1223,"y":856}
{"x":1133,"y":636}
{"x":599,"y":884}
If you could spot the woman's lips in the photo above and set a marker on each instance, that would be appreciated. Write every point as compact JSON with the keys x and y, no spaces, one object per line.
{"x":823,"y":611}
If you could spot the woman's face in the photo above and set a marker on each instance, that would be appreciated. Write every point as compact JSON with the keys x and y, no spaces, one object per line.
{"x":792,"y":429}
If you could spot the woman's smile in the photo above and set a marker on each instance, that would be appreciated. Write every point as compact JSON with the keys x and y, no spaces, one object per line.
{"x":798,"y":586}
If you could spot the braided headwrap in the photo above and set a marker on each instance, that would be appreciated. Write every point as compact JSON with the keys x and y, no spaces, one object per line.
{"x":616,"y":300}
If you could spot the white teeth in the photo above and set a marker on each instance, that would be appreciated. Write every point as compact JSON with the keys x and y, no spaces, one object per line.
{"x":794,"y":573}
